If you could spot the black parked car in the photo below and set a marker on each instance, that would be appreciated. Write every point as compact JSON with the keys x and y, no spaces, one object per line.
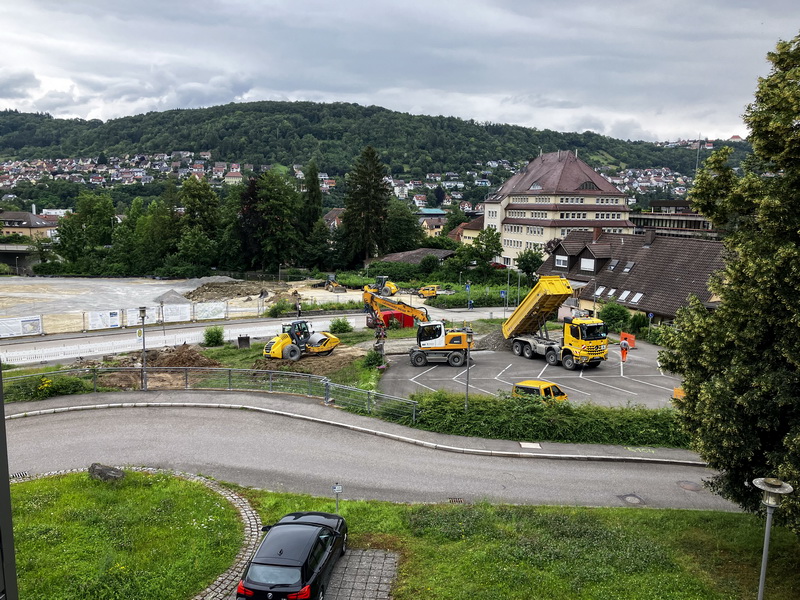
{"x":295,"y":558}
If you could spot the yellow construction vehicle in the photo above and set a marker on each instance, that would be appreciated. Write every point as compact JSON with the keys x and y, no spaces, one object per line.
{"x":538,"y":389}
{"x":382,"y":286}
{"x":297,"y":339}
{"x":584,"y":339}
{"x":435,"y":343}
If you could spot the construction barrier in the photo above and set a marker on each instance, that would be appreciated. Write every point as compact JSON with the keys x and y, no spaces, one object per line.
{"x":630,"y":337}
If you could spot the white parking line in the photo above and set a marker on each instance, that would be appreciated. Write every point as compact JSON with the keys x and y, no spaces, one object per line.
{"x":423,"y":373}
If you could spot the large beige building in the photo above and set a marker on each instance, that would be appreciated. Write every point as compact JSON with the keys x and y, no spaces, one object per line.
{"x":554,"y":194}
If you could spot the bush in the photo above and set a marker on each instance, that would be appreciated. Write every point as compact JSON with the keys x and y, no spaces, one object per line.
{"x":43,"y":386}
{"x":614,"y":315}
{"x":49,"y":268}
{"x":214,"y":336}
{"x":277,"y":309}
{"x":373,"y":359}
{"x":340,"y":325}
{"x":522,"y":420}
{"x":5,"y":269}
{"x":638,"y":322}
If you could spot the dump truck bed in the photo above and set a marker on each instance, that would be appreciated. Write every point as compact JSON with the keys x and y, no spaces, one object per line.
{"x":543,"y":300}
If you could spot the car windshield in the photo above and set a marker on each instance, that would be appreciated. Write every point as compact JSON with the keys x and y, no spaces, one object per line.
{"x":273,"y":574}
{"x":594,"y":332}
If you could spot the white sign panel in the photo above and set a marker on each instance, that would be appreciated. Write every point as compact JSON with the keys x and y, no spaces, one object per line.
{"x":209,"y":310}
{"x":21,"y":326}
{"x":172,"y":313}
{"x":132,"y":317}
{"x":105,"y":319}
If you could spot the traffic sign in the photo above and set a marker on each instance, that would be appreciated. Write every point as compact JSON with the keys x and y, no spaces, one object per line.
{"x":337,"y":489}
{"x":502,"y":293}
{"x":466,"y":287}
{"x":650,"y":315}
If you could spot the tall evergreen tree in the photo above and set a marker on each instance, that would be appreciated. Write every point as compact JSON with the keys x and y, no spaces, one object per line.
{"x":278,"y":203}
{"x":201,"y":206}
{"x":741,"y":362}
{"x":364,"y":220}
{"x":312,"y":199}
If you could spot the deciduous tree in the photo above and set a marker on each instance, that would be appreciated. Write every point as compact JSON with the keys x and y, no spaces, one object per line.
{"x":741,"y":362}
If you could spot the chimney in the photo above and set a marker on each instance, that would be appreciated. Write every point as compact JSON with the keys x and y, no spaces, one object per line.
{"x":596,"y":233}
{"x":649,"y":237}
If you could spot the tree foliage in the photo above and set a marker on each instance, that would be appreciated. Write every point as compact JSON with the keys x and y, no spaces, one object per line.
{"x":740,"y":363}
{"x":528,"y":261}
{"x":364,"y":221}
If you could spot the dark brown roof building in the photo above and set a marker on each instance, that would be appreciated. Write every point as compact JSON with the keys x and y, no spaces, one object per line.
{"x":645,"y":273}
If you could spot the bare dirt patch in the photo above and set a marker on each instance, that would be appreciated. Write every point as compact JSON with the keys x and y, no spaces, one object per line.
{"x":314,"y":365}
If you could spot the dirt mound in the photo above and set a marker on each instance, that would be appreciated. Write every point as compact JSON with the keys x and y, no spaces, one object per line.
{"x":227,"y":290}
{"x":492,"y":341}
{"x":181,"y":356}
{"x":313,"y":365}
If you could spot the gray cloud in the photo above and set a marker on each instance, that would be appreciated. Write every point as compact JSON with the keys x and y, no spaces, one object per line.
{"x":16,"y":84}
{"x":644,"y":68}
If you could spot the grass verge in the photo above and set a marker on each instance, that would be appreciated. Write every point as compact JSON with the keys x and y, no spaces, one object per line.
{"x":145,"y":536}
{"x":485,"y":551}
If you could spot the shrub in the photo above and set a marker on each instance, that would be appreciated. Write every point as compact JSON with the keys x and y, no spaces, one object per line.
{"x":614,"y":315}
{"x":394,"y":324}
{"x":214,"y":336}
{"x":43,"y":386}
{"x":277,"y":309}
{"x":638,"y":322}
{"x":373,"y":359}
{"x":340,"y":325}
{"x":4,"y":269}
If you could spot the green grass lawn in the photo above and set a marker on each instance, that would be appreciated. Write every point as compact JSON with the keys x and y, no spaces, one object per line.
{"x":146,"y":536}
{"x":469,"y":552}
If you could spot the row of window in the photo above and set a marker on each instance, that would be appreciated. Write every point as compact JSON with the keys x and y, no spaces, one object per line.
{"x":512,"y":243}
{"x":614,"y":215}
{"x":587,"y":264}
{"x":563,"y":200}
{"x":534,"y":230}
{"x":572,"y":215}
{"x":512,"y":228}
{"x":623,"y":297}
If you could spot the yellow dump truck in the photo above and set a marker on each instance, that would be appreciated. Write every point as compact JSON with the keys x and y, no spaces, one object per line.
{"x":583,"y":339}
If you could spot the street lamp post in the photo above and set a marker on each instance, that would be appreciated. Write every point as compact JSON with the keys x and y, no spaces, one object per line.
{"x":594,"y":298}
{"x":8,"y":566}
{"x":143,"y":316}
{"x":773,"y":489}
{"x":16,"y":265}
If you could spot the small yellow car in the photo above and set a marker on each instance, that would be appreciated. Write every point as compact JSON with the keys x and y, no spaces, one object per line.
{"x":429,"y":291}
{"x":539,"y":390}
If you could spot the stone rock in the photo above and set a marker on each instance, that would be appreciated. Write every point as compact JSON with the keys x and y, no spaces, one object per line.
{"x":105,"y":473}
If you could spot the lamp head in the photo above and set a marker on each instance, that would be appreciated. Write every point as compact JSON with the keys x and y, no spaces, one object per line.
{"x":142,"y":312}
{"x":772,"y":490}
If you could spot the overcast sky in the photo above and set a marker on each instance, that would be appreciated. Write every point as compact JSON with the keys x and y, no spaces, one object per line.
{"x":639,"y":69}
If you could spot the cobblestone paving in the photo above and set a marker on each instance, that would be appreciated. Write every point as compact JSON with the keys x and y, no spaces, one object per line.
{"x":363,"y":575}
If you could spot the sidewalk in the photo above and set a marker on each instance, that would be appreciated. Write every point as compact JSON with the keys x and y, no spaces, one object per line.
{"x":313,"y":409}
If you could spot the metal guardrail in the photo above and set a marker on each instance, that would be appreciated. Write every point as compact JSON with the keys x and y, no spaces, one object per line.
{"x":357,"y":400}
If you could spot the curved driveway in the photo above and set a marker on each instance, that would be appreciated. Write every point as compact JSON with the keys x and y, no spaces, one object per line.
{"x":281,"y":453}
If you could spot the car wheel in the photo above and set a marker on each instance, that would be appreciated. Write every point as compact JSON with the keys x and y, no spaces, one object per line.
{"x":291,"y":352}
{"x":421,"y":295}
{"x":527,"y":351}
{"x":456,"y":359}
{"x":569,"y":362}
{"x":551,"y":357}
{"x":516,"y":348}
{"x":418,"y":359}
{"x":344,"y":546}
{"x":385,"y":291}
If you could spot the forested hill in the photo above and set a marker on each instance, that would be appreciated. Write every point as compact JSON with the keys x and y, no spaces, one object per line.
{"x":332,"y":134}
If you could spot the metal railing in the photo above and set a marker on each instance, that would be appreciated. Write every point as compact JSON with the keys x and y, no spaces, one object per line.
{"x":99,"y":379}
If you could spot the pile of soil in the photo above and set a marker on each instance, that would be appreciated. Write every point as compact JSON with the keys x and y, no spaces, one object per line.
{"x":313,"y":365}
{"x":227,"y":290}
{"x":492,"y":341}
{"x":181,"y":356}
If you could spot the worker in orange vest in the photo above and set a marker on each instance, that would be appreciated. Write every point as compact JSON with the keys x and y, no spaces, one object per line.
{"x":624,"y":346}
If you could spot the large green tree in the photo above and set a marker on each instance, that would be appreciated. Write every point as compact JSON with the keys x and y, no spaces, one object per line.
{"x":528,"y":261}
{"x":312,"y":199}
{"x":364,"y":220}
{"x":740,"y":363}
{"x":404,"y":231}
{"x":276,"y":239}
{"x":484,"y":249}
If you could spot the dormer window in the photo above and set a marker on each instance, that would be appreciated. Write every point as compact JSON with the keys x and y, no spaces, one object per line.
{"x":587,"y":264}
{"x":588,"y":185}
{"x":535,"y":186}
{"x":562,"y":262}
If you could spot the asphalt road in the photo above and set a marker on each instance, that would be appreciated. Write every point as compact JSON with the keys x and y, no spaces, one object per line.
{"x":637,"y":381}
{"x":285,"y":454}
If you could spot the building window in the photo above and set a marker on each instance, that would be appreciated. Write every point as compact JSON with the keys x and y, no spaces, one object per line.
{"x":612,"y":291}
{"x":587,"y":264}
{"x":562,"y":262}
{"x":613,"y":264}
{"x":624,"y":295}
{"x":628,"y":267}
{"x":599,"y":291}
{"x":636,"y":297}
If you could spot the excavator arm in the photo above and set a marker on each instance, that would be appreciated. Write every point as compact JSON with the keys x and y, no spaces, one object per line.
{"x":375,"y":303}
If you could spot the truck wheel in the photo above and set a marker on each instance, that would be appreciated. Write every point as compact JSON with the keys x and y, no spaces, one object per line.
{"x":527,"y":351}
{"x":291,"y":352}
{"x":516,"y":348}
{"x":386,"y":291}
{"x":569,"y":362}
{"x":421,"y":295}
{"x":456,"y":359}
{"x":551,"y":357}
{"x":418,"y":359}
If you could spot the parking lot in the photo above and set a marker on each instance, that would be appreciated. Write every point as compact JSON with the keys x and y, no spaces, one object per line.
{"x":637,"y":381}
